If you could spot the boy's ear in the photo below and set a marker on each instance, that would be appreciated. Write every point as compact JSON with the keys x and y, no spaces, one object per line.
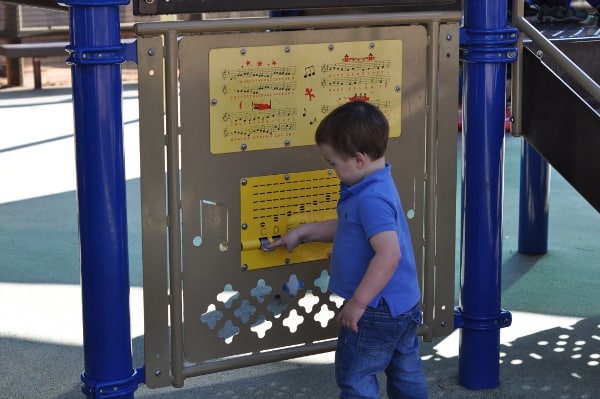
{"x":360,"y":159}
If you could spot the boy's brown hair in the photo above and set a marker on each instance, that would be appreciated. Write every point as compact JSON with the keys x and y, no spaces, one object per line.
{"x":355,"y":127}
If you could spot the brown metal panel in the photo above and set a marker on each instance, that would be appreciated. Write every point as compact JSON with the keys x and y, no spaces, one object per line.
{"x":583,"y":51}
{"x":154,"y":211}
{"x":445,"y":210}
{"x":222,"y":301}
{"x":561,"y":126}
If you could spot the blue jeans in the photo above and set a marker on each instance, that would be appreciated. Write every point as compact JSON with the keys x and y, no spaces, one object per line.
{"x":383,"y":343}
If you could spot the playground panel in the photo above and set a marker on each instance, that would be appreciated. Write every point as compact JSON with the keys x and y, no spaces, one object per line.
{"x":250,"y":172}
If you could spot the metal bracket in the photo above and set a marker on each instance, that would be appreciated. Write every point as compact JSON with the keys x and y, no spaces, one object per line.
{"x":489,"y":46}
{"x":110,"y":389}
{"x":130,"y":51}
{"x":500,"y":320}
{"x":97,"y":55}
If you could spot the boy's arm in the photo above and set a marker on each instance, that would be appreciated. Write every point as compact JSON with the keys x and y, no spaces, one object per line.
{"x":318,"y":231}
{"x":378,"y":274}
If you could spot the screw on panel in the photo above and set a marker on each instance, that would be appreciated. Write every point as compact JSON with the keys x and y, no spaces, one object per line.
{"x":331,"y":47}
{"x":397,"y":88}
{"x":448,"y":37}
{"x":371,"y":45}
{"x":287,"y":49}
{"x":287,"y":177}
{"x":539,"y":54}
{"x":243,"y":51}
{"x":213,"y":101}
{"x":244,"y":226}
{"x":443,"y":324}
{"x":151,"y":52}
{"x":244,"y":182}
{"x":244,"y":147}
{"x":287,"y":143}
{"x":244,"y":267}
{"x":511,"y":54}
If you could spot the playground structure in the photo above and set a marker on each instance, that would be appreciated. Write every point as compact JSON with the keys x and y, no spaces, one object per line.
{"x":256,"y":195}
{"x":473,"y":325}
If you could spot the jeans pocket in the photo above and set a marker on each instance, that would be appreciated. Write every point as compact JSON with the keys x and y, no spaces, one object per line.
{"x":377,"y":339}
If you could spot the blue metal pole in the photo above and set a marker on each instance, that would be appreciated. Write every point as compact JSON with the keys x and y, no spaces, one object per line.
{"x":534,"y":200}
{"x":96,"y":55}
{"x":487,"y":45}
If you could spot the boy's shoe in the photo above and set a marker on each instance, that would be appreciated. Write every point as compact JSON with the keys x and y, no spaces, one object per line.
{"x":549,"y":14}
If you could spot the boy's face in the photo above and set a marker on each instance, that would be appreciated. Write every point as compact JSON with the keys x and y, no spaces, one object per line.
{"x":348,"y":169}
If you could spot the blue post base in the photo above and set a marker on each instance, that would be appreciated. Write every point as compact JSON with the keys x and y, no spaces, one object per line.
{"x":481,"y":336}
{"x":487,"y":373}
{"x":113,"y":389}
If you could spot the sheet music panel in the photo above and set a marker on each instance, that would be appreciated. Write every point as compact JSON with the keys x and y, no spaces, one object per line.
{"x":275,"y":96}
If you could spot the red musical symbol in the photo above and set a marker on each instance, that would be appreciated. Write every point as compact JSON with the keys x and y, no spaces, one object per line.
{"x":309,"y":93}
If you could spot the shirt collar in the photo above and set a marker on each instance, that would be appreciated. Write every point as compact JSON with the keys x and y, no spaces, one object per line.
{"x":378,"y":175}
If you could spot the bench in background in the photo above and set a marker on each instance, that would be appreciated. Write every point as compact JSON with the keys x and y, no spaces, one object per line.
{"x":35,"y":51}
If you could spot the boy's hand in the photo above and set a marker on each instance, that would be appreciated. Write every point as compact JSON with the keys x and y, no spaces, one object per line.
{"x":351,"y":314}
{"x":323,"y":231}
{"x":289,"y":240}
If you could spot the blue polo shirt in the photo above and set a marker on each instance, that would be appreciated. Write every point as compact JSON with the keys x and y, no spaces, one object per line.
{"x":367,"y":208}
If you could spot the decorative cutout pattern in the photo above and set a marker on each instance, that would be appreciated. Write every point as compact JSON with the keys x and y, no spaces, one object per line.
{"x":292,"y":306}
{"x":324,"y":315}
{"x":228,"y":296}
{"x":211,"y":316}
{"x":260,"y":291}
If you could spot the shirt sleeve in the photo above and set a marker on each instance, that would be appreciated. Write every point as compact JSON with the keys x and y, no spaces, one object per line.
{"x":376,"y":215}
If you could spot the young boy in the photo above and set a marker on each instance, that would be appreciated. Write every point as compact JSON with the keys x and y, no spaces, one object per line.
{"x":372,"y":261}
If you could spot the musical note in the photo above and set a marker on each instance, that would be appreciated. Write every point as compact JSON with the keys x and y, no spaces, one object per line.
{"x":359,"y":66}
{"x":355,"y":80}
{"x":261,"y":130}
{"x":309,"y":71}
{"x":261,"y":88}
{"x":259,"y":115}
{"x":257,"y":73}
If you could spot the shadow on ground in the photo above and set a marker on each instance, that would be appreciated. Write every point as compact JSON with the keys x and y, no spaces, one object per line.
{"x":560,"y":363}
